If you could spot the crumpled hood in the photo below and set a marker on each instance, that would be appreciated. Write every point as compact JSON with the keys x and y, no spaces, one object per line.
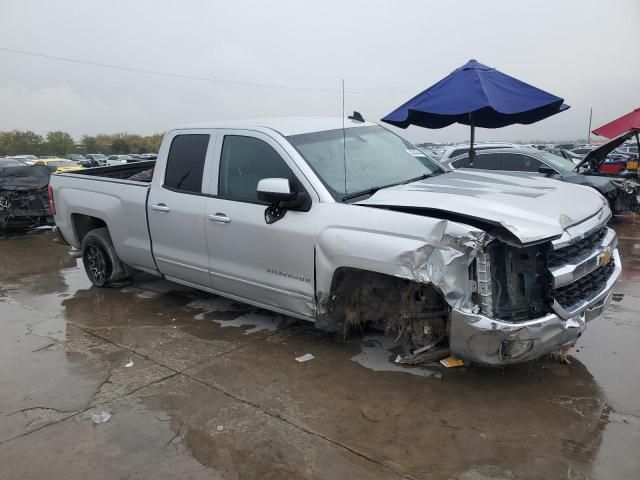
{"x":532,"y":208}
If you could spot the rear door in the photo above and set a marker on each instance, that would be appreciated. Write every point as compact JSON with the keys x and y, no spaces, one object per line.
{"x":268,"y":264}
{"x":176,"y":207}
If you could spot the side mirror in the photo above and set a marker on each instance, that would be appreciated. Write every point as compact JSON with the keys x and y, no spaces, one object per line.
{"x":277,"y":193}
{"x":275,"y":190}
{"x":546,"y":170}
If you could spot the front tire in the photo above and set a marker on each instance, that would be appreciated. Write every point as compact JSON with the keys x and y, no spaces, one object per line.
{"x":101,"y":262}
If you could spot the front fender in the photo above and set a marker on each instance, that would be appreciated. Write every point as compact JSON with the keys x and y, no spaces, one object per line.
{"x":438,"y":253}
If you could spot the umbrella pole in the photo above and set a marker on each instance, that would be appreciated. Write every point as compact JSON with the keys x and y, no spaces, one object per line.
{"x":638,"y":159}
{"x":472,"y":152}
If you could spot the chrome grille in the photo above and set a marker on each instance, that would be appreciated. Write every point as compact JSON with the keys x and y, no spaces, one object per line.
{"x":576,"y":250}
{"x":585,"y":287}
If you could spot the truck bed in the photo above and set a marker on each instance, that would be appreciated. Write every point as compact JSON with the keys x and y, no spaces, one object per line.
{"x":105,"y":194}
{"x":122,"y":172}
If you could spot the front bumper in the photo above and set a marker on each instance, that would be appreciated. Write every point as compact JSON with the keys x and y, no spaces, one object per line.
{"x":494,"y":342}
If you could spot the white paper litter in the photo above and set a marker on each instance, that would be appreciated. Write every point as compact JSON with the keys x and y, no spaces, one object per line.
{"x":305,"y":358}
{"x":130,"y":364}
{"x":220,"y":427}
{"x":100,"y":417}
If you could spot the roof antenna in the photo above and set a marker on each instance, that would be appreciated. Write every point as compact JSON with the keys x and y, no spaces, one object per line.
{"x":344,"y":142}
{"x":357,"y":116}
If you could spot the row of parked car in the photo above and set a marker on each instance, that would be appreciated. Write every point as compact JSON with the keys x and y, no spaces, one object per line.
{"x":76,"y":161}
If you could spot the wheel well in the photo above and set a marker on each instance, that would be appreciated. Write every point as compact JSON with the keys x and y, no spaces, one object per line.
{"x":83,"y":224}
{"x":395,"y":304}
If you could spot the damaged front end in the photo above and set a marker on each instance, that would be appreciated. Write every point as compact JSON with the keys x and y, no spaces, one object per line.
{"x":539,"y":298}
{"x":624,"y":198}
{"x":479,"y":295}
{"x":24,"y":201}
{"x":24,"y":208}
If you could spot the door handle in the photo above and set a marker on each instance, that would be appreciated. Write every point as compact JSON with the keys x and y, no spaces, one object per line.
{"x":161,"y":207}
{"x":219,"y":218}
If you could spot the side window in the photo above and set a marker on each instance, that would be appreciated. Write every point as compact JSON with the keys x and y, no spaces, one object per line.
{"x":185,"y":162}
{"x":460,"y":151}
{"x":520,"y":163}
{"x":243,"y":163}
{"x":461,"y":163}
{"x":488,"y":161}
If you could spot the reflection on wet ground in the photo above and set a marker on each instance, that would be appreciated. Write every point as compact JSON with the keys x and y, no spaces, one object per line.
{"x":215,"y":392}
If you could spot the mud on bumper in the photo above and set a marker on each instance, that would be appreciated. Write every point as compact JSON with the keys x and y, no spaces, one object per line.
{"x":489,"y":341}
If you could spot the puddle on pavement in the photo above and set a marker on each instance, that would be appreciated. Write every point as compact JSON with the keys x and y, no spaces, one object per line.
{"x":377,"y":355}
{"x":228,"y":313}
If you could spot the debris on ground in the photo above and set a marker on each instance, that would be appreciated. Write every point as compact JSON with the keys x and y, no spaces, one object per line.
{"x":451,"y":362}
{"x":438,"y":376}
{"x":422,"y":356}
{"x":100,"y":417}
{"x":562,"y":355}
{"x":305,"y":358}
{"x":129,"y":364}
{"x":220,"y":428}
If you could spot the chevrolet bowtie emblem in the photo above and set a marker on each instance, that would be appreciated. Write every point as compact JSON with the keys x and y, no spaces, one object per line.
{"x":605,"y":256}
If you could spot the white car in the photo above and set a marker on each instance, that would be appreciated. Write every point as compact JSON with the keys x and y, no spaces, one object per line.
{"x":119,"y":160}
{"x":463,"y":148}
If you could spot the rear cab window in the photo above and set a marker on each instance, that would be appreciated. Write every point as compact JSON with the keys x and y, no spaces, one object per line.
{"x":185,"y":163}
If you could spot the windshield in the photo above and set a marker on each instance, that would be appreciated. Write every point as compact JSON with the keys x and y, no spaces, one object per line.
{"x":375,"y":157}
{"x":560,"y":163}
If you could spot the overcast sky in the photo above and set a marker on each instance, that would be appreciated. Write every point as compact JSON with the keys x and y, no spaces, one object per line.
{"x":386,"y":51}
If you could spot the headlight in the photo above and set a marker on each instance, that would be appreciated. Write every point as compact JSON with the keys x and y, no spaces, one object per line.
{"x":626,"y":187}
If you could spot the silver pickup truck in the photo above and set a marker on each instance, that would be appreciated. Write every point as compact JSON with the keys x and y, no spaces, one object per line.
{"x":345,"y":223}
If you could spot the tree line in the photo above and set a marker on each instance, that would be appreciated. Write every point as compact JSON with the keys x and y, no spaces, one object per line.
{"x":26,"y":142}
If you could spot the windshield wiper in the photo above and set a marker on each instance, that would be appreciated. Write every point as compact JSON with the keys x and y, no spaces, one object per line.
{"x":421,"y":177}
{"x":372,"y":190}
{"x":362,"y":193}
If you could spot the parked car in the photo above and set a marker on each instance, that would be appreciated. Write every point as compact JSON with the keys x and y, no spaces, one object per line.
{"x":620,"y":193}
{"x":619,"y":164}
{"x":76,"y":157}
{"x":628,"y":149}
{"x":28,"y":159}
{"x":59,"y":164}
{"x":23,"y":194}
{"x":149,"y":156}
{"x":98,"y":157}
{"x":89,"y":163}
{"x":565,"y":146}
{"x":499,"y":268}
{"x":463,"y":148}
{"x":119,"y":159}
{"x":581,"y":152}
{"x":565,"y":154}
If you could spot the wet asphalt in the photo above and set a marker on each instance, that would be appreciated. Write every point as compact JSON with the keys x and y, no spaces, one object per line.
{"x":197,"y":386}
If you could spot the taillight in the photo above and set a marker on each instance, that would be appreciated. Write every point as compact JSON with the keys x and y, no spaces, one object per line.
{"x":52,"y":203}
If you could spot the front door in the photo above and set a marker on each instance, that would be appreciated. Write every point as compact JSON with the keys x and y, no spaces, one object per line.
{"x":268,"y":264}
{"x":176,"y":211}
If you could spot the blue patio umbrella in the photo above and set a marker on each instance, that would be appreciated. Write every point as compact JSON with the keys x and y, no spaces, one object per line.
{"x":478,"y":96}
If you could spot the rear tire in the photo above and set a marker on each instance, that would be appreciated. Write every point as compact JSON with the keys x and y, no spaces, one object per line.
{"x":101,"y":262}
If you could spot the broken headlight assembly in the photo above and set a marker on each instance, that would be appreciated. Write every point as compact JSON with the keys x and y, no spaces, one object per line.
{"x":512,"y":282}
{"x":625,"y":186}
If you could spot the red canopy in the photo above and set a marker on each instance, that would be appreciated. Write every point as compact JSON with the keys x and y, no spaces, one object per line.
{"x":630,"y":121}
